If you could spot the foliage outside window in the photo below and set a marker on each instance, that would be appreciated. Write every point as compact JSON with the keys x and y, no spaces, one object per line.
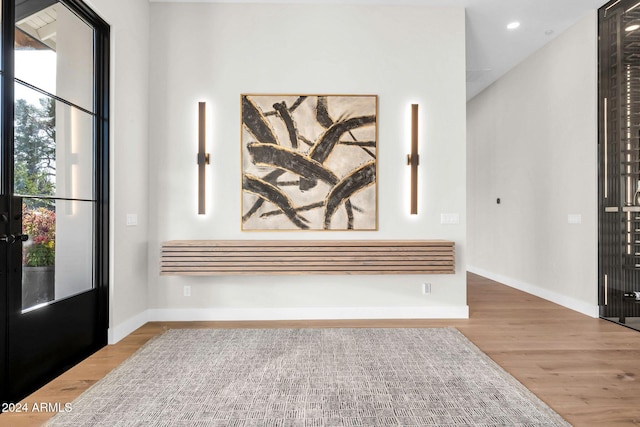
{"x":34,"y":171}
{"x":35,"y":148}
{"x":40,"y":225}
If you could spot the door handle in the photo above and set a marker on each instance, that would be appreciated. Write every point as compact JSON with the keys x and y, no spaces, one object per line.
{"x":12,"y":238}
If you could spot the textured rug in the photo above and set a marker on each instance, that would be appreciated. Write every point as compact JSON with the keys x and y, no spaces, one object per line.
{"x":308,"y":377}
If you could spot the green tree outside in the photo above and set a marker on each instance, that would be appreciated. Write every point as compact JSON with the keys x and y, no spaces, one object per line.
{"x":35,"y":150}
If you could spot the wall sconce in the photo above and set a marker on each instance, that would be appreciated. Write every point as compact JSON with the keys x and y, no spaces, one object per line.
{"x":203,"y":158}
{"x":413,"y":159}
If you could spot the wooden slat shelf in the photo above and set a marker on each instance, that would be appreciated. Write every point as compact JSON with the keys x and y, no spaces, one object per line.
{"x":302,"y":257}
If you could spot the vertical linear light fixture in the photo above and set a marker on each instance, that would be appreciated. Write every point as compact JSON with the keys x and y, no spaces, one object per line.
{"x":413,"y":159}
{"x":203,"y":157}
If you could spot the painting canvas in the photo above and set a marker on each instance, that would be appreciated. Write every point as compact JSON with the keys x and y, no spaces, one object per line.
{"x":309,"y":162}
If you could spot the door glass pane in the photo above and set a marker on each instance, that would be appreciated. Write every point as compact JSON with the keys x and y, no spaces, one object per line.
{"x":619,"y":157}
{"x":54,"y":52}
{"x":58,"y":255}
{"x":54,"y":149}
{"x":54,"y":154}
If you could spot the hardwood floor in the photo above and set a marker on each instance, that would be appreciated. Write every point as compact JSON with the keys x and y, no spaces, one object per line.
{"x":587,"y":370}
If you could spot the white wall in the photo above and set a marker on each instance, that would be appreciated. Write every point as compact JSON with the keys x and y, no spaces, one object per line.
{"x":129,"y":144}
{"x":214,"y":53}
{"x":532,"y":142}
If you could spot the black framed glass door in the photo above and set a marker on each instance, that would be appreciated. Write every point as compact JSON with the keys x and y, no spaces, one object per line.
{"x":54,"y":190}
{"x":619,"y":162}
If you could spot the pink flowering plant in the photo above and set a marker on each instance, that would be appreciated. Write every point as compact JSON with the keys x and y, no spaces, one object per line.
{"x":40,"y":225}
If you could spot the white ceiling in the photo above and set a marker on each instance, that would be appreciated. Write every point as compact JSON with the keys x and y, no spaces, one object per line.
{"x":492,"y":50}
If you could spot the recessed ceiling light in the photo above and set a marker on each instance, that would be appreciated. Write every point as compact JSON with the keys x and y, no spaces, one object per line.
{"x":632,"y":26}
{"x":513,"y":25}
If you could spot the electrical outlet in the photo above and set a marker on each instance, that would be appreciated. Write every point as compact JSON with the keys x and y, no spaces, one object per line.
{"x":426,"y":288}
{"x":187,"y":291}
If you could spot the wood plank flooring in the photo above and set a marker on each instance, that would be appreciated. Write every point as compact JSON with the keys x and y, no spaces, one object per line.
{"x":588,"y":370}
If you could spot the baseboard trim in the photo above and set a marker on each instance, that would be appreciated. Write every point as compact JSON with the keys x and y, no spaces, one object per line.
{"x":120,"y":331}
{"x":309,"y":313}
{"x":563,"y":300}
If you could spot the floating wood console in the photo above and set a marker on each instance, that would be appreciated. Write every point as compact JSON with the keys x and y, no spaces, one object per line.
{"x":299,"y":257}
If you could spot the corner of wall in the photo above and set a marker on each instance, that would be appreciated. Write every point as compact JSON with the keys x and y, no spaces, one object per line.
{"x":123,"y":329}
{"x":129,"y":160}
{"x":555,"y":297}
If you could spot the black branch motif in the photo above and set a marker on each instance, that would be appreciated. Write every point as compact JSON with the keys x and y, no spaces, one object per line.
{"x":274,"y":195}
{"x":256,"y":123}
{"x":357,"y":180}
{"x":327,"y":142}
{"x":350,"y":218}
{"x":271,"y":178}
{"x":293,"y":108}
{"x":285,"y":115}
{"x":322,"y":113}
{"x":324,"y":118}
{"x":296,"y":104}
{"x":314,"y":206}
{"x":300,"y":209}
{"x":371,"y":144}
{"x":349,"y":207}
{"x":292,"y":161}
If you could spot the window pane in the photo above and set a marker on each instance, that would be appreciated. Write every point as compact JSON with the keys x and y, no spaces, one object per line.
{"x":54,"y":52}
{"x":74,"y":247}
{"x":58,"y":257}
{"x":53,"y":147}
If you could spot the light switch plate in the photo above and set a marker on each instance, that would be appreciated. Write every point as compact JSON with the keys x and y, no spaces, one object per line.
{"x":450,"y":218}
{"x":574,"y":219}
{"x":132,"y":220}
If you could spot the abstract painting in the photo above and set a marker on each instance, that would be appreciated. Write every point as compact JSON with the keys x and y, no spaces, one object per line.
{"x":309,"y":162}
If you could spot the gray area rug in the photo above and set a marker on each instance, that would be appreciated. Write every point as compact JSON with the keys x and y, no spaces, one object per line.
{"x":308,"y":377}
